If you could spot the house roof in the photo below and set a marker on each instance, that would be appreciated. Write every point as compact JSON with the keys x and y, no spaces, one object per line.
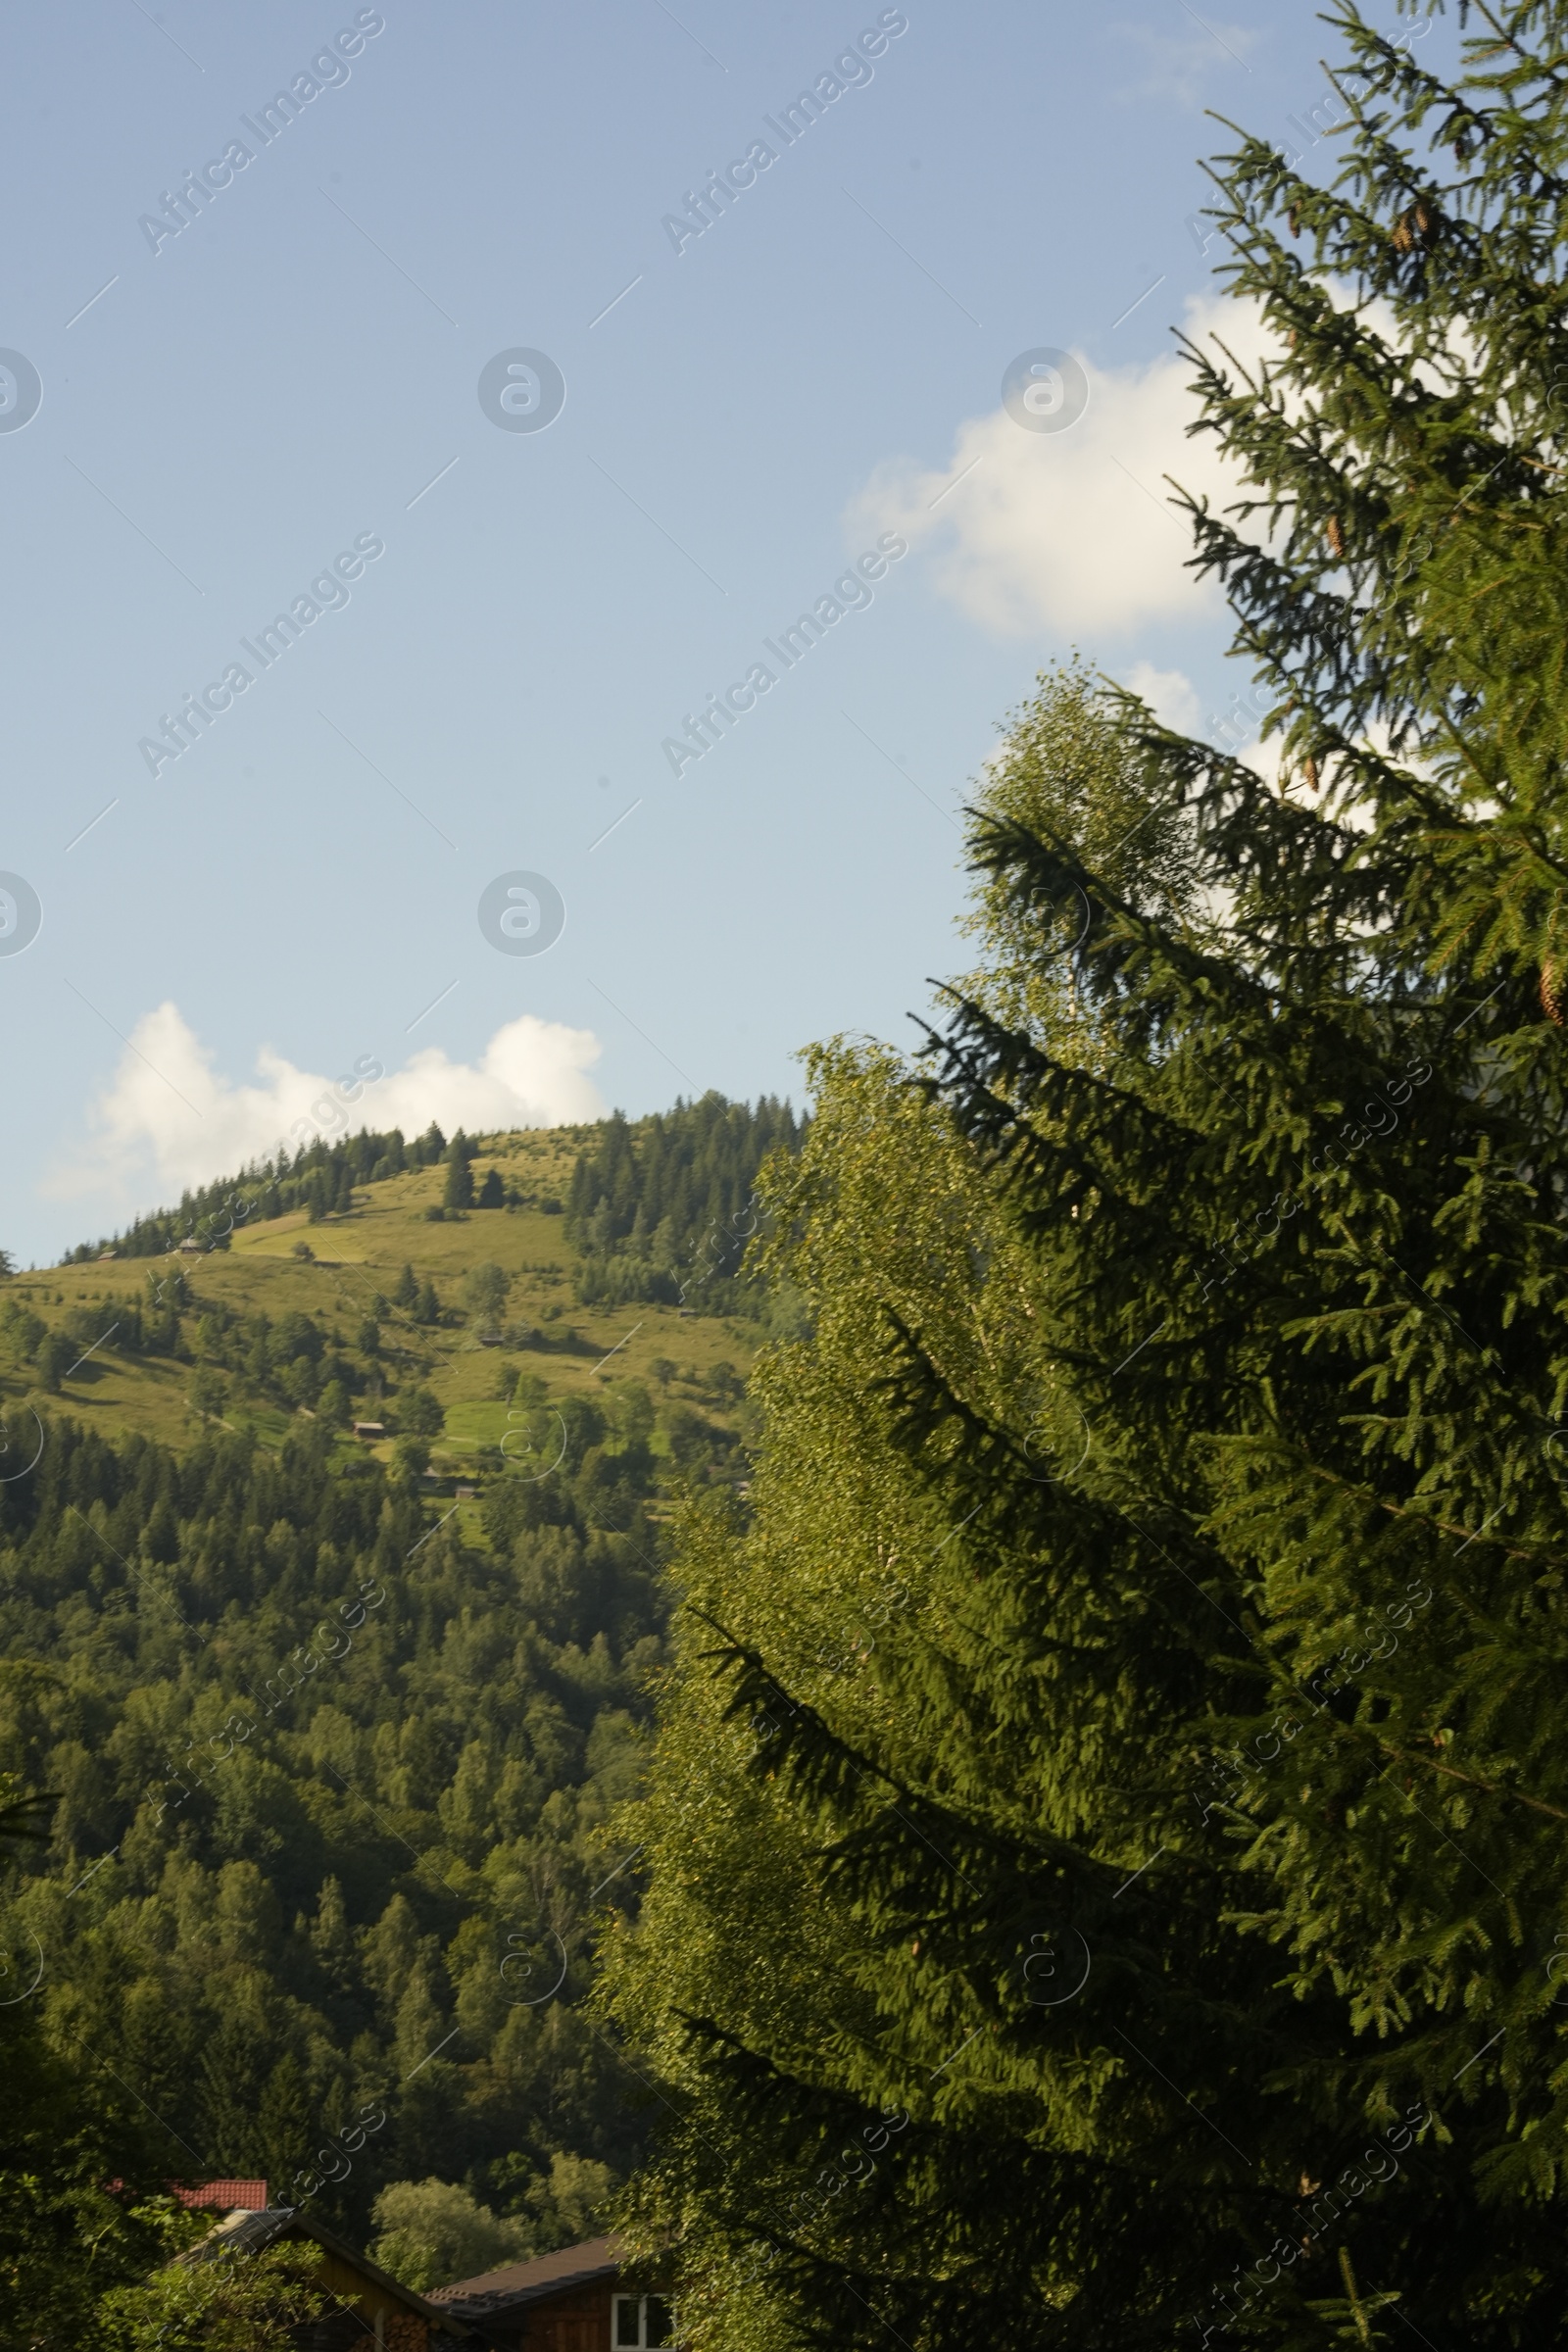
{"x":250,"y":2233}
{"x":520,"y":2282}
{"x":227,"y":2195}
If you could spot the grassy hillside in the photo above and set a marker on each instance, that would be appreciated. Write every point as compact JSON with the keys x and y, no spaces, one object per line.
{"x":348,"y":1281}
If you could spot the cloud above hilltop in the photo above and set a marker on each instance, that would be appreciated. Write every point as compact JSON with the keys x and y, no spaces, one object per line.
{"x":169,"y":1117}
{"x":1071,"y":531}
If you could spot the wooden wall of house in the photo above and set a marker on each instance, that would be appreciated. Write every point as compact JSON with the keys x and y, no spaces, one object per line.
{"x":372,"y":2317}
{"x":575,"y":2321}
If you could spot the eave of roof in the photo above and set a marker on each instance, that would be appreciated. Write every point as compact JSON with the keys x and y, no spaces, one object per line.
{"x":254,"y":2230}
{"x":518,"y":2284}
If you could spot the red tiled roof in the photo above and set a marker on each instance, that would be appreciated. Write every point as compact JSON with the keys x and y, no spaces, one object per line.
{"x":228,"y":2196}
{"x":545,"y":2275}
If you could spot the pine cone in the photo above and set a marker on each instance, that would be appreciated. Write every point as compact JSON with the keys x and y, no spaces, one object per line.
{"x":1551,"y":998}
{"x":1416,"y":227}
{"x":1336,"y":536}
{"x":1309,"y":772}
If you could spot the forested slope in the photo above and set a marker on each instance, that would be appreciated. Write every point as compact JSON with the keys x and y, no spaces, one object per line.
{"x":664,"y":1211}
{"x":332,"y":1750}
{"x":333,"y":1788}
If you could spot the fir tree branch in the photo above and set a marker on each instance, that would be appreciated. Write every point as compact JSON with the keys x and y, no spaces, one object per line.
{"x":1451,"y":1772}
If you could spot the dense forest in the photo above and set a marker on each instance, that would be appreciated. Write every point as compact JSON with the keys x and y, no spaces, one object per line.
{"x":330,"y":1794}
{"x":664,"y":1210}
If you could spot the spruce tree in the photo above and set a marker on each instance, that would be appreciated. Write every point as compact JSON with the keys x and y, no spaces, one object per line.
{"x":1109,"y":1839}
{"x":459,"y":1192}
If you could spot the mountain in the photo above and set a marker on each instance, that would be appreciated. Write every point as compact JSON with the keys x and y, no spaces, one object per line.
{"x":336,"y":1725}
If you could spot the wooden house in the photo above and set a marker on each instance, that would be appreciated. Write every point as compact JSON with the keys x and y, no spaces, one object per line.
{"x":369,"y":2312}
{"x":585,"y":2298}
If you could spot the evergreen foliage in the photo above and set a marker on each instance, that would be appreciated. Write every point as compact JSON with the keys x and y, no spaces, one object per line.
{"x":459,"y":1193}
{"x":319,"y":1177}
{"x":663,"y":1210}
{"x":333,"y":1788}
{"x":1110,"y":1833}
{"x":78,"y":2168}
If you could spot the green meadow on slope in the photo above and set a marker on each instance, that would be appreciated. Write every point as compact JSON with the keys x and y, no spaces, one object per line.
{"x":342,"y":1271}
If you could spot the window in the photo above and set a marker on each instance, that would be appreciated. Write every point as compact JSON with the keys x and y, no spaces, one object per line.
{"x":643,"y":2323}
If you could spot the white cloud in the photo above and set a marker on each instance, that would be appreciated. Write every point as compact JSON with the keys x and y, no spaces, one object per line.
{"x":1181,"y":65}
{"x":169,"y":1118}
{"x":1172,"y":696}
{"x":1236,"y":729}
{"x":1071,"y":531}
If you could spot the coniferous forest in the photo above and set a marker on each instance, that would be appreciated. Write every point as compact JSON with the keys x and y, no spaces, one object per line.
{"x":667,"y":1213}
{"x":1026,"y":1799}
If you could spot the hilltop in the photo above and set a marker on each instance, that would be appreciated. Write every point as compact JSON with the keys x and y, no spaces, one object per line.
{"x":368,"y":1310}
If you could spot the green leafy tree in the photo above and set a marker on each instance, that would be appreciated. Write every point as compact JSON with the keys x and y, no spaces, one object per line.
{"x":631,"y":1414}
{"x":214,"y":2299}
{"x":231,"y":2076}
{"x":420,"y":1412}
{"x":53,"y":1355}
{"x":492,"y":1192}
{"x":433,"y":2232}
{"x":573,"y":2200}
{"x":412,"y":1456}
{"x":1109,"y":1836}
{"x":484,"y":1292}
{"x":76,"y":2156}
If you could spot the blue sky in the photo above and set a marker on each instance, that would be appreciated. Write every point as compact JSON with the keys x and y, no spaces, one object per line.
{"x":298,"y":369}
